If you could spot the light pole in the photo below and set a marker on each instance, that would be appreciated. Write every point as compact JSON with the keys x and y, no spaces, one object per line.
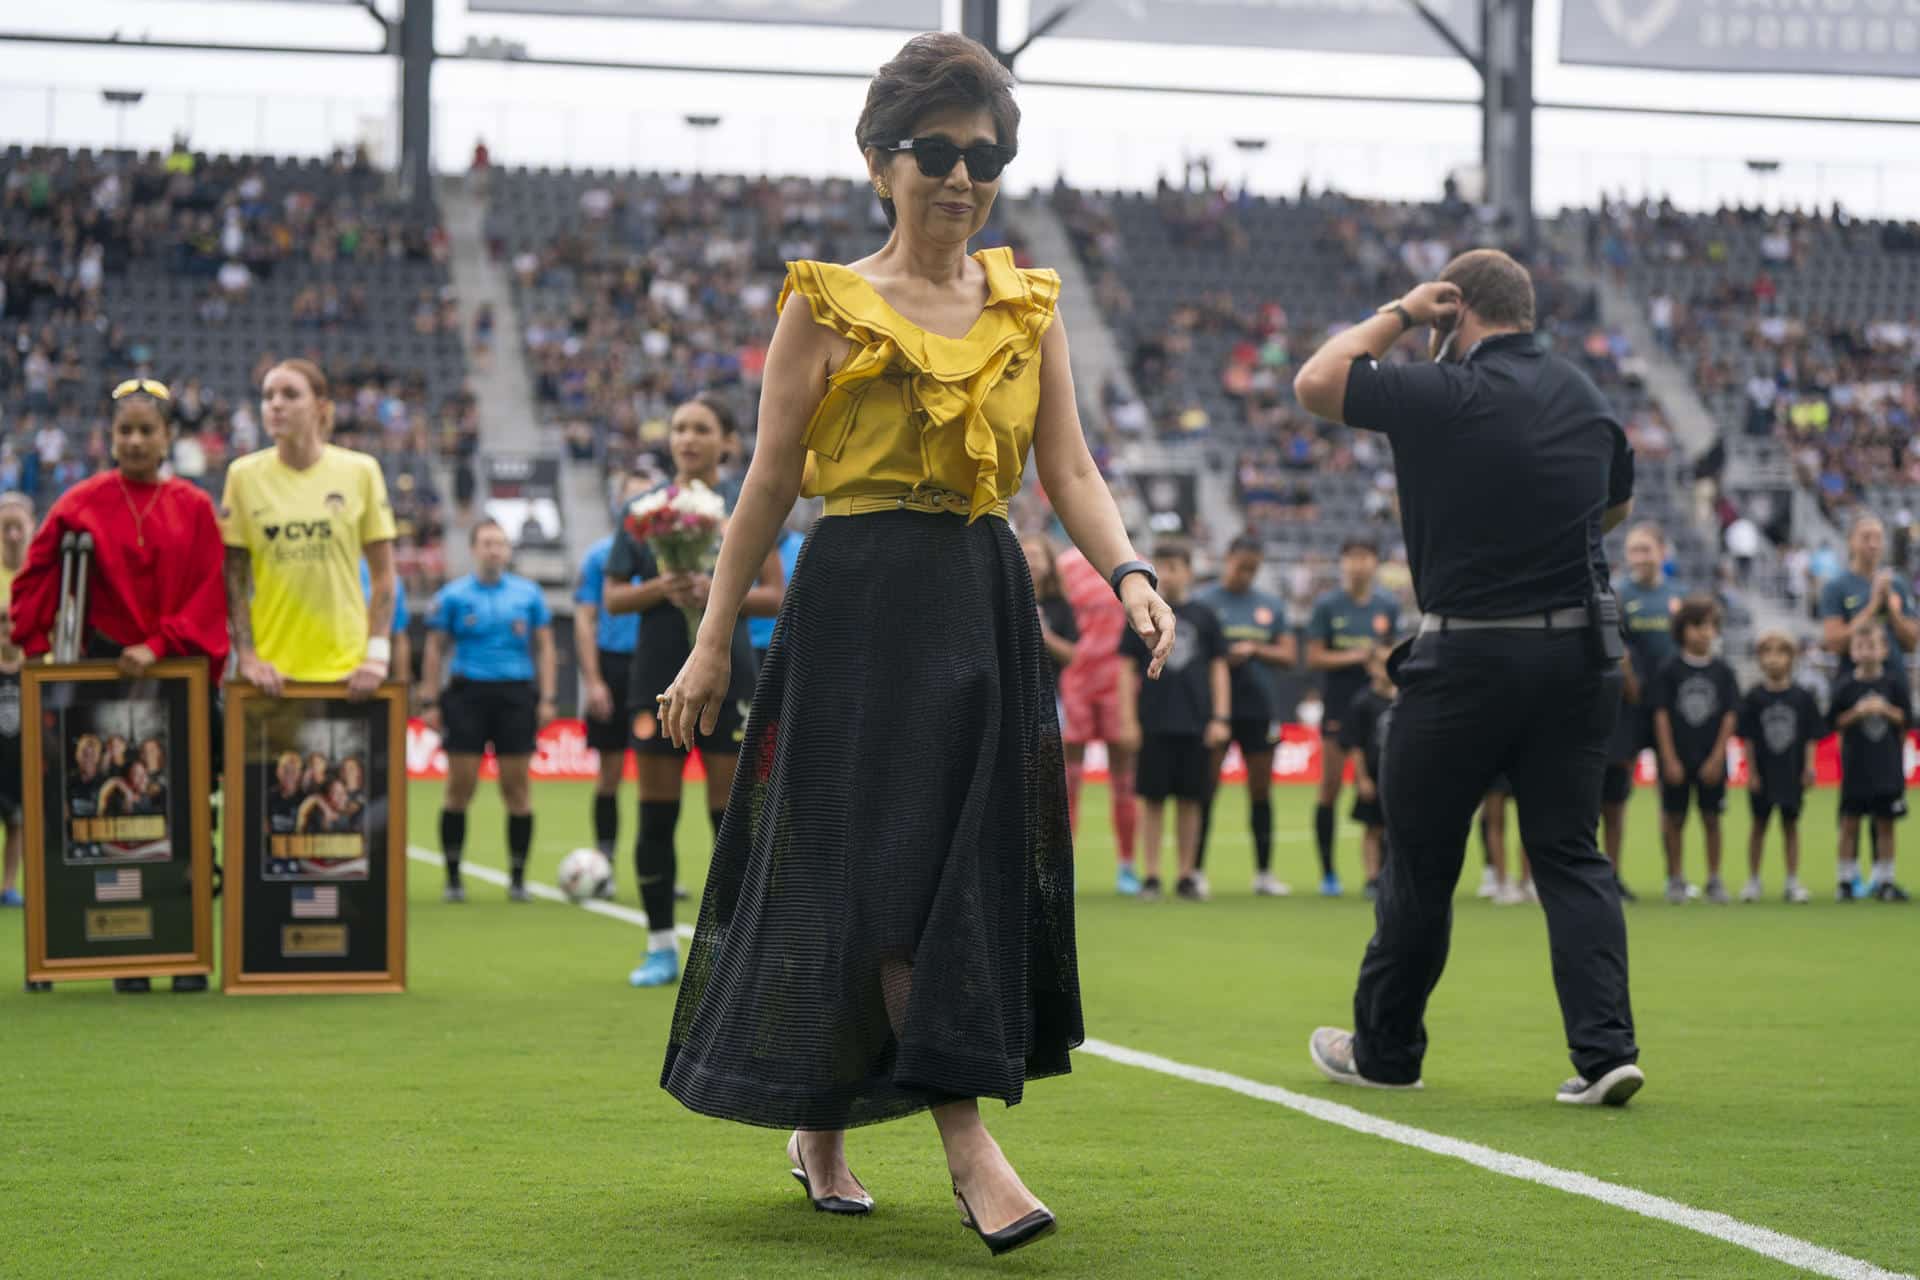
{"x":701,"y":125}
{"x":120,"y":100}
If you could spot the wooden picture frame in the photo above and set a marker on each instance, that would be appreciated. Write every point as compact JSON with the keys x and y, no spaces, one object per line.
{"x":142,"y":890}
{"x":300,"y":916}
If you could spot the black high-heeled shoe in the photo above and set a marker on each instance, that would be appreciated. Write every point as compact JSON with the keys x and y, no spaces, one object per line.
{"x":1034,"y":1226}
{"x":853,"y":1206}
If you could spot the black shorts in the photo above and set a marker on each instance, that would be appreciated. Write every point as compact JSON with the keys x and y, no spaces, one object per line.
{"x":612,"y":734}
{"x":1673,"y":800}
{"x":1892,"y":804}
{"x":1254,"y":736}
{"x":1172,"y":766}
{"x":504,"y":713}
{"x":1616,"y":784}
{"x":1368,"y":813}
{"x":1763,"y":802}
{"x":656,"y":665}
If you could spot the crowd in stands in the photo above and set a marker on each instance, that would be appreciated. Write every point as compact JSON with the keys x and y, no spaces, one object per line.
{"x":201,"y":271}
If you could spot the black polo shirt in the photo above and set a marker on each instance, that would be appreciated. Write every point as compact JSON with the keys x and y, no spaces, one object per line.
{"x":1506,"y":463}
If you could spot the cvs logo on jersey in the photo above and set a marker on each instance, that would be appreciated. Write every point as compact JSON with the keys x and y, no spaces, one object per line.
{"x":300,"y":530}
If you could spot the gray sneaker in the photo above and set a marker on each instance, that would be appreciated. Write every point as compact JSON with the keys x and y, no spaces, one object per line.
{"x":519,"y":893}
{"x":1332,"y":1052}
{"x":454,"y":893}
{"x":1610,"y":1090}
{"x":1717,"y":892}
{"x":1677,"y":893}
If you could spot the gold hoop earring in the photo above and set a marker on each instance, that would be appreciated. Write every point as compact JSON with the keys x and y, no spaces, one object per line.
{"x":882,"y":190}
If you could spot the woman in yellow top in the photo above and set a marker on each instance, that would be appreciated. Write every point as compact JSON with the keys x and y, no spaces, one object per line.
{"x":888,"y":921}
{"x":297,"y":519}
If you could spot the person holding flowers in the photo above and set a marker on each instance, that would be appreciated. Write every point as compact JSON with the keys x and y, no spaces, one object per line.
{"x":660,"y":567}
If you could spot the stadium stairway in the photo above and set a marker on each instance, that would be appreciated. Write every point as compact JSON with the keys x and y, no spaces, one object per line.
{"x":505,"y":386}
{"x":1097,"y":361}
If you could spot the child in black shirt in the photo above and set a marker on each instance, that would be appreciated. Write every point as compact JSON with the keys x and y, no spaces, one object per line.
{"x":1363,"y":732}
{"x":1177,"y":721}
{"x":1780,"y":723}
{"x":1871,"y":712}
{"x":1695,"y":703}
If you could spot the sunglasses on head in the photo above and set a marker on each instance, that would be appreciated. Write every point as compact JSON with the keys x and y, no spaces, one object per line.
{"x":937,"y":156}
{"x":146,"y":386}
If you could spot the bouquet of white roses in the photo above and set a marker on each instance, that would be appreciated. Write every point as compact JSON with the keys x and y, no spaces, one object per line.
{"x":681,"y":525}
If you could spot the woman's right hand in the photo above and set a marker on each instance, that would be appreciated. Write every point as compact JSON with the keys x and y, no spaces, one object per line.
{"x":261,"y":675}
{"x":599,"y":701}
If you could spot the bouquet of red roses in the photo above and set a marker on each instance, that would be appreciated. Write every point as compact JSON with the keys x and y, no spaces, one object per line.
{"x":681,"y":525}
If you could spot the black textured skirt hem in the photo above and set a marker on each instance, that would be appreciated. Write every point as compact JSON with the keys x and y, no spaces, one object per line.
{"x":888,"y":921}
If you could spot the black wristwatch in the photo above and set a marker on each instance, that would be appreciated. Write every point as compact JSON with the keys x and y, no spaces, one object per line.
{"x":1395,"y":308}
{"x":1131,"y":567}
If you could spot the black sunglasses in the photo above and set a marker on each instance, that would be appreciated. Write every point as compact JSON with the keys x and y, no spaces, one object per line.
{"x":937,"y":156}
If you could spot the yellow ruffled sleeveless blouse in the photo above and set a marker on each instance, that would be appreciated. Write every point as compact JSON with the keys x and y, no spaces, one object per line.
{"x":917,"y":420}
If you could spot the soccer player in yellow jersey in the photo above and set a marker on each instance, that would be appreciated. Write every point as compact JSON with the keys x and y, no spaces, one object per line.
{"x":297,"y":519}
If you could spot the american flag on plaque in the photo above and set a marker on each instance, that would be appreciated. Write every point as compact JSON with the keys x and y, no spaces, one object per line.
{"x":122,"y":885}
{"x":316,"y":901}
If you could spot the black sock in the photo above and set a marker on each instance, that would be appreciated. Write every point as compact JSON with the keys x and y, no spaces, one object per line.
{"x":1262,"y":817}
{"x":453,"y":842}
{"x":519,"y":844}
{"x":1206,"y":829}
{"x":653,"y":860}
{"x":1323,"y":836}
{"x":606,"y":824}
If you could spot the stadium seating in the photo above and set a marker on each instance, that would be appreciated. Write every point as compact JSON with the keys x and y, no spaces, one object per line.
{"x":199,"y":270}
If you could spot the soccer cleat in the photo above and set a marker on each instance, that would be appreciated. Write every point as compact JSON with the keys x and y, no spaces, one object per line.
{"x":1797,"y":892}
{"x":1528,"y":892}
{"x":1267,"y":885}
{"x":1752,"y":892}
{"x":1679,"y":892}
{"x":1510,"y":895}
{"x":519,"y":893}
{"x":605,"y":891}
{"x":1610,"y":1090}
{"x":12,"y":898}
{"x":1127,"y":882}
{"x":1191,"y":889}
{"x":680,"y":893}
{"x":660,"y":968}
{"x":1626,"y":894}
{"x":1489,"y":884}
{"x":1149,"y":889}
{"x":454,"y":893}
{"x":1717,"y":892}
{"x":1844,"y":892}
{"x":1888,"y":891}
{"x":1330,"y":885}
{"x":1332,"y":1052}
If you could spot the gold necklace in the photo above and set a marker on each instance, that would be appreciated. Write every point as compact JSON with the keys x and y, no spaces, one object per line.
{"x":140,"y":517}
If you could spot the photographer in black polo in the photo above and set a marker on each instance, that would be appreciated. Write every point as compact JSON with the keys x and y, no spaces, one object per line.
{"x":1511,"y":467}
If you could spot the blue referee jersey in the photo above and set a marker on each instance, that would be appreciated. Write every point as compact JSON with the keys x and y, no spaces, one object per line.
{"x":492,"y":625}
{"x":613,"y":632}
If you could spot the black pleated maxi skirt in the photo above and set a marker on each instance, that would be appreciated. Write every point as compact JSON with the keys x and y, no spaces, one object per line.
{"x":888,"y":921}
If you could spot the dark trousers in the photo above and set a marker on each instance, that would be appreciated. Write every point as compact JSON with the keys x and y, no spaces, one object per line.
{"x":1472,"y":705}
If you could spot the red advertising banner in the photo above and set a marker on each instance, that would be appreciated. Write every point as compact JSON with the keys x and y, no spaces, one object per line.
{"x":562,"y":754}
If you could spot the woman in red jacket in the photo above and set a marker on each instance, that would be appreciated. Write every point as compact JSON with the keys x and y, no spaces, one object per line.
{"x":155,"y":589}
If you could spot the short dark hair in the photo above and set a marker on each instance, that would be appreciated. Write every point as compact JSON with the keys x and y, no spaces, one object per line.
{"x":1246,"y":544}
{"x":1174,"y":549}
{"x":719,"y":408}
{"x":1367,"y":545}
{"x":485,"y":522}
{"x":1497,"y":288}
{"x":1695,"y":611}
{"x":936,"y":72}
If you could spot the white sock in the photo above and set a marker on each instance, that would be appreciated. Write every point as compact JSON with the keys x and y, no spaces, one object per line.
{"x":1793,"y":882}
{"x":1753,"y":882}
{"x":662,"y":940}
{"x":1882,"y":870}
{"x":1849,"y":869}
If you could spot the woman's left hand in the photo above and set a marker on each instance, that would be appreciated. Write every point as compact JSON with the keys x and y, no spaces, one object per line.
{"x":1150,"y":617}
{"x":691,"y":705}
{"x":135,"y":659}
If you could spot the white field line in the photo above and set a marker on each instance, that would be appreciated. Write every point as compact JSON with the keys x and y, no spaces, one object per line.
{"x":1768,"y":1244}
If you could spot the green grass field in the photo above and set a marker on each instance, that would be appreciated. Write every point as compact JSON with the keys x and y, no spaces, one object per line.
{"x":503,"y":1118}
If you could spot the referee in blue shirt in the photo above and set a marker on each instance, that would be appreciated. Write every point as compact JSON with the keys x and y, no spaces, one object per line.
{"x":1511,"y":467}
{"x":501,"y":692}
{"x":603,"y":645}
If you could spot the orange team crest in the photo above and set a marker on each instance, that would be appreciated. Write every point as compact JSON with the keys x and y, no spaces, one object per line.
{"x":1380,"y":624}
{"x":1263,"y":616}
